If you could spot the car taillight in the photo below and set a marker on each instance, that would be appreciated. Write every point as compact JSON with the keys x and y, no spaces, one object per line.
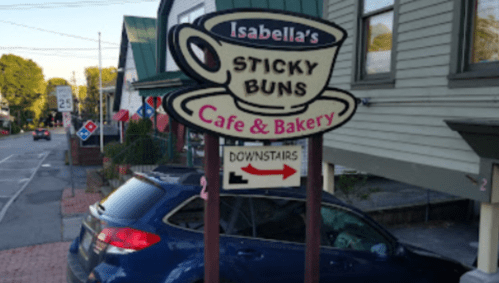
{"x":34,"y":134}
{"x":128,"y":238}
{"x":46,"y":133}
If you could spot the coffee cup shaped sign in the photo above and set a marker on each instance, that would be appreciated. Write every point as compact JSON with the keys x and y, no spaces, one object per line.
{"x":271,"y":63}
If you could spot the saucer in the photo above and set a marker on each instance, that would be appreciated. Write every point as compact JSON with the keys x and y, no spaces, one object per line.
{"x":215,"y":110}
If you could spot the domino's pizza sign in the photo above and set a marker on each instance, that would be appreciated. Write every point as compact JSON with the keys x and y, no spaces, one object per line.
{"x":86,"y":130}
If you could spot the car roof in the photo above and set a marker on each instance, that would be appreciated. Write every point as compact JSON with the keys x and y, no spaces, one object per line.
{"x":188,"y":180}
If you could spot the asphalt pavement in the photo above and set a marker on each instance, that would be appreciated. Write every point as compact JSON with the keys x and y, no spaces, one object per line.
{"x":32,"y":178}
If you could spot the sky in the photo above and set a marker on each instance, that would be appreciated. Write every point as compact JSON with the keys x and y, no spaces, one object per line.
{"x":34,"y":27}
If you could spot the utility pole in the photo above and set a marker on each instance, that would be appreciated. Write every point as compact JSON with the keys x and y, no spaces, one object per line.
{"x":100,"y":100}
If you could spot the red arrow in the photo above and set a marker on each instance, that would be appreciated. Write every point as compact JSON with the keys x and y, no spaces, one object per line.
{"x":285,"y":172}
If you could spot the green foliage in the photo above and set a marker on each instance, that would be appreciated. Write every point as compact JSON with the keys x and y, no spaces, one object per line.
{"x":137,"y":130}
{"x":22,"y":80}
{"x":23,"y":86}
{"x":112,"y":149}
{"x":91,"y":101}
{"x":382,"y":42}
{"x":110,"y":172}
{"x":352,"y":187}
{"x":165,"y":159}
{"x":52,"y":85}
{"x":486,"y":41}
{"x":15,"y":128}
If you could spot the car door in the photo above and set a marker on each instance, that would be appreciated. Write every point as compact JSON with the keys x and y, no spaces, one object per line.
{"x":353,"y":250}
{"x":268,"y":244}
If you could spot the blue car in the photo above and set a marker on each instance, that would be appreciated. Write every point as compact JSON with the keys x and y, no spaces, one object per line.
{"x":151,"y":230}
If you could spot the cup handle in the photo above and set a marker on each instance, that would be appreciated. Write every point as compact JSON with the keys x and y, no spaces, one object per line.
{"x":182,"y":45}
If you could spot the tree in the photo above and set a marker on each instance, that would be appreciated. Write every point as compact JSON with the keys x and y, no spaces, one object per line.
{"x":91,"y":102}
{"x":382,"y":42}
{"x":486,"y":39}
{"x":51,"y":92}
{"x":22,"y":83}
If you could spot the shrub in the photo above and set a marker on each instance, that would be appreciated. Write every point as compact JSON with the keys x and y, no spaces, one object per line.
{"x":112,"y":149}
{"x":137,"y":130}
{"x":15,"y":128}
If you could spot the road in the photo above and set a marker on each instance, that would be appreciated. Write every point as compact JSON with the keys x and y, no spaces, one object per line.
{"x":32,"y":177}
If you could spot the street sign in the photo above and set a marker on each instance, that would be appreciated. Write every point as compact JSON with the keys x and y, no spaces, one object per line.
{"x":66,"y":119}
{"x":83,"y":134}
{"x":90,"y":126}
{"x":86,"y":130}
{"x":149,"y":111}
{"x":261,"y":166}
{"x":150,"y":101}
{"x":64,"y":98}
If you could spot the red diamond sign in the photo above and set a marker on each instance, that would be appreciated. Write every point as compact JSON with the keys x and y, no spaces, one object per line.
{"x":150,"y":101}
{"x":90,"y":126}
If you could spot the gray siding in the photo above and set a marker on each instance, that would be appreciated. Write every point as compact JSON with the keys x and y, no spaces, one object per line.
{"x":406,"y":123}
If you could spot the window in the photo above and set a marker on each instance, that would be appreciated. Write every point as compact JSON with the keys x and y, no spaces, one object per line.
{"x":345,"y":230}
{"x":279,"y":219}
{"x":235,"y":216}
{"x":475,"y":44}
{"x":190,"y":16}
{"x":374,"y":57}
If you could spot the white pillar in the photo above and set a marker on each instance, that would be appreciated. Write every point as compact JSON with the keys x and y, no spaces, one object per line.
{"x":488,"y":237}
{"x":328,"y":177}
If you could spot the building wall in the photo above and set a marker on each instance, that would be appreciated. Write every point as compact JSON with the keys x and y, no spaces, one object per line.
{"x":405,"y":124}
{"x":130,"y":99}
{"x":180,"y":7}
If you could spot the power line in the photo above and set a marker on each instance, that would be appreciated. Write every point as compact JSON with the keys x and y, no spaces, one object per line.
{"x":56,"y":32}
{"x":55,"y":49}
{"x":66,"y":55}
{"x":69,"y":4}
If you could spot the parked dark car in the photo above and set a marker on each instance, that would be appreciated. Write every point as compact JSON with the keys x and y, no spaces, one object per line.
{"x":151,"y":230}
{"x":41,"y":133}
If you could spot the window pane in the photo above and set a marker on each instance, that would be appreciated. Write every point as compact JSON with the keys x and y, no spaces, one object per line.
{"x":344,"y":230}
{"x":373,"y":5}
{"x":379,"y":43}
{"x":280,"y":219}
{"x":234,"y":216}
{"x":486,"y":32}
{"x":184,"y":19}
{"x":196,"y":14}
{"x":132,"y":200}
{"x":190,"y":216}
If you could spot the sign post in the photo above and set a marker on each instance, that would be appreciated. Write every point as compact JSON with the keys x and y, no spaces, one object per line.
{"x":266,"y":79}
{"x":65,"y":105}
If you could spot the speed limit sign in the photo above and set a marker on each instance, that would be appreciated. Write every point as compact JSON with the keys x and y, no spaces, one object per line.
{"x":64,"y":98}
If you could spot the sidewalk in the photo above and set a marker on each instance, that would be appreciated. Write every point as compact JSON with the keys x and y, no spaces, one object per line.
{"x":47,"y":263}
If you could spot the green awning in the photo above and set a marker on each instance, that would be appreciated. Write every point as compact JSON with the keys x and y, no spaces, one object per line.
{"x":163,"y":83}
{"x":160,"y":91}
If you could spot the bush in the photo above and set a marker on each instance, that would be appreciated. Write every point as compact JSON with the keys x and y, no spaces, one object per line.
{"x":15,"y":128}
{"x":112,"y":149}
{"x":143,"y":151}
{"x":137,"y":130}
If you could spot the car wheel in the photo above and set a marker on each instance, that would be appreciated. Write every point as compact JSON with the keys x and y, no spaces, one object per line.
{"x":35,"y":139}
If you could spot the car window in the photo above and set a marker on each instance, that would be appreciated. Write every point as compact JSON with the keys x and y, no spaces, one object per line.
{"x":345,"y":230}
{"x":234,"y":216}
{"x":279,"y":219}
{"x":132,"y":200}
